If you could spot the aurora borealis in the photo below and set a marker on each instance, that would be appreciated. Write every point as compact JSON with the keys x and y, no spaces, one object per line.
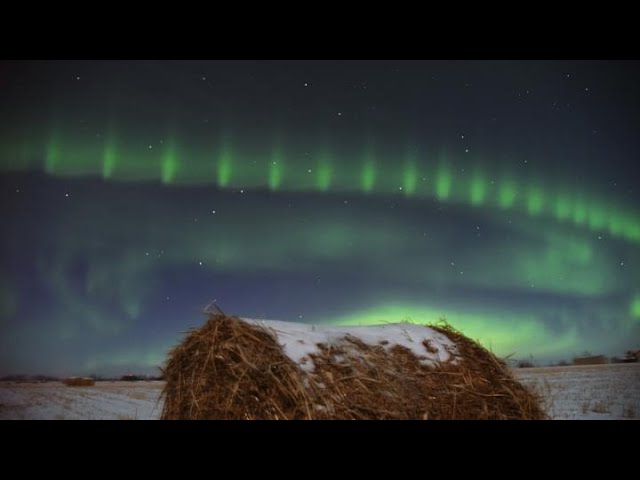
{"x":501,"y":195}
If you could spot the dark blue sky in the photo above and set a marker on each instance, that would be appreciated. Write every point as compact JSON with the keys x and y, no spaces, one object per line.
{"x":500,"y":194}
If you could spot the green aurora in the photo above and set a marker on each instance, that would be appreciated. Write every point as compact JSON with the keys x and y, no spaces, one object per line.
{"x":498,"y":195}
{"x":127,"y":248}
{"x":300,"y":169}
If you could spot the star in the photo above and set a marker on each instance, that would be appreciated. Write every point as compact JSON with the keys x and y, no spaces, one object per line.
{"x":66,"y":195}
{"x":150,"y":146}
{"x":306,"y":84}
{"x":200,"y":263}
{"x":339,"y":114}
{"x":213,"y":211}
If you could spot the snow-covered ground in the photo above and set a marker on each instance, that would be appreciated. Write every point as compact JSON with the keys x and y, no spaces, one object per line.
{"x":56,"y":401}
{"x":589,"y":392}
{"x":585,"y":392}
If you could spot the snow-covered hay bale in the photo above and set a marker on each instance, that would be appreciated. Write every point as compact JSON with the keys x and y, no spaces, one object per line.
{"x":234,"y":368}
{"x":79,"y":382}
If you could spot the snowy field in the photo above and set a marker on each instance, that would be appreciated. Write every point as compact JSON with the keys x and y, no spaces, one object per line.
{"x":589,"y":392}
{"x":56,"y":401}
{"x":584,"y":392}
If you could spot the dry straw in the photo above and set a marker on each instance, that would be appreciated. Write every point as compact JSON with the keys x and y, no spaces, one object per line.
{"x":230,"y":369}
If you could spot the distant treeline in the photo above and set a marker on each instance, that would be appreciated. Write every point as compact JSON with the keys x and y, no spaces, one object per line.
{"x":98,"y":378}
{"x":29,"y":378}
{"x":586,"y":358}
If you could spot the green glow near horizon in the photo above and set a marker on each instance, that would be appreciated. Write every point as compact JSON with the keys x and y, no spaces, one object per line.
{"x":478,"y":190}
{"x":503,"y":334}
{"x":444,"y":179}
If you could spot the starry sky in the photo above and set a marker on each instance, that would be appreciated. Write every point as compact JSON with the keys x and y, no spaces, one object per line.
{"x":500,"y":195}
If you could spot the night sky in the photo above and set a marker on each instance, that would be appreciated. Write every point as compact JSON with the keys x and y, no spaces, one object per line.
{"x":502,"y":195}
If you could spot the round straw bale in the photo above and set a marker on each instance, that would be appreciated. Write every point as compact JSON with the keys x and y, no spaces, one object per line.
{"x":234,"y":369}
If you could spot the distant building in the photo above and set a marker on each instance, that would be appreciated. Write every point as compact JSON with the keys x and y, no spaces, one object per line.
{"x":79,"y":382}
{"x":594,"y":360}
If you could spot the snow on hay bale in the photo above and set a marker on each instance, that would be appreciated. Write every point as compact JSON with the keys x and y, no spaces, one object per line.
{"x":234,"y":368}
{"x":79,"y":382}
